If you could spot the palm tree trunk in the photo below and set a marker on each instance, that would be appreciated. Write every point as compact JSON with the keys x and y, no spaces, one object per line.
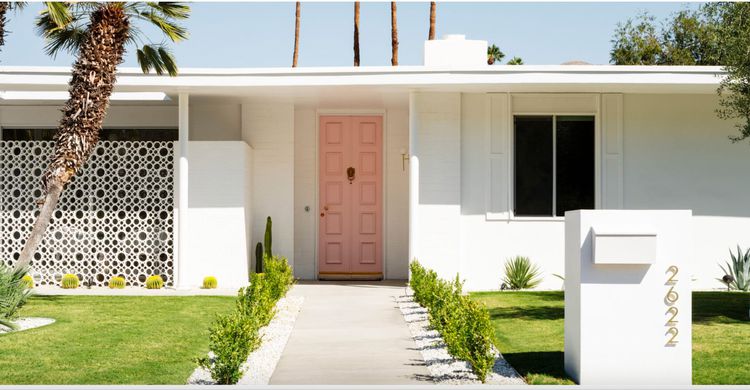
{"x":3,"y":10}
{"x":93,"y":78}
{"x":356,"y":33}
{"x":296,"y":35}
{"x":394,"y":35}
{"x":433,"y":5}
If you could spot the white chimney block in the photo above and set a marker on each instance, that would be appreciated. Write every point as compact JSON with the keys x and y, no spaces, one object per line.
{"x":454,"y":50}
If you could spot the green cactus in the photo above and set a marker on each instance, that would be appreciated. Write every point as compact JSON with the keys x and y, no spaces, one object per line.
{"x":259,"y":258}
{"x":267,"y":238}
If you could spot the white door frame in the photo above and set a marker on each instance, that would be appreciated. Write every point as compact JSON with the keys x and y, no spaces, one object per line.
{"x":384,"y":167}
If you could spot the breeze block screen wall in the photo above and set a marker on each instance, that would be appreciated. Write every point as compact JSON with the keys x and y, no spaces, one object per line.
{"x":115,"y":218}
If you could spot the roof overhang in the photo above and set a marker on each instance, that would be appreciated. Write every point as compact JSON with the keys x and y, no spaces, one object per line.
{"x":299,"y":83}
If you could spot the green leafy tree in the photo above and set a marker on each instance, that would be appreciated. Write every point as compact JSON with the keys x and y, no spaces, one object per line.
{"x":734,"y":91}
{"x":515,"y":61}
{"x":636,"y":42}
{"x":692,"y":38}
{"x":98,"y":34}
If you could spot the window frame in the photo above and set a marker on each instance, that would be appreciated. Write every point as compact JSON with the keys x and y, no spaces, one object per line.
{"x":512,"y":162}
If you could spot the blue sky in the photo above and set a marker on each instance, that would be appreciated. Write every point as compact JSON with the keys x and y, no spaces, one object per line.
{"x":261,"y":34}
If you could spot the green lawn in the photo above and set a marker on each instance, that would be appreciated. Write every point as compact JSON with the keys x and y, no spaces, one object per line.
{"x":110,"y":340}
{"x":529,"y":330}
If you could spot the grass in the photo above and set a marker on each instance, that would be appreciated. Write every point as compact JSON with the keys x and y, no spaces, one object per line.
{"x":529,"y":331}
{"x":721,"y":338}
{"x":110,"y":340}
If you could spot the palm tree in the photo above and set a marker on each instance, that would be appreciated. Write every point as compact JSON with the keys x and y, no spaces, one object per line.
{"x":4,"y":8}
{"x":99,"y":34}
{"x":356,"y":33}
{"x":494,"y":54}
{"x":515,"y":61}
{"x":296,"y":35}
{"x":394,"y":35}
{"x":431,"y":35}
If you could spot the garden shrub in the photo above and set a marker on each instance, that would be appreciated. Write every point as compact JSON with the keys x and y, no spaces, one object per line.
{"x":520,"y":273}
{"x":154,"y":282}
{"x":210,"y":282}
{"x":233,"y":337}
{"x":13,"y":293}
{"x":69,"y":281}
{"x":28,"y":280}
{"x":463,"y":323}
{"x":116,"y":282}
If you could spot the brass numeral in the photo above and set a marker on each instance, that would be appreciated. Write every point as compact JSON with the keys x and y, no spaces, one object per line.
{"x":672,"y":310}
{"x":674,"y":332}
{"x":674,"y":270}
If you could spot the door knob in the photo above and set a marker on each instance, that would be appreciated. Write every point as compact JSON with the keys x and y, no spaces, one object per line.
{"x":350,"y":174}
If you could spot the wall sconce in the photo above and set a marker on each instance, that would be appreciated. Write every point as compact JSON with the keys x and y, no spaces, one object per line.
{"x":404,"y":157}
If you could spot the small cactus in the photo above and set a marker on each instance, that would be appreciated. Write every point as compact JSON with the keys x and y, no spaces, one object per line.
{"x":259,"y":258}
{"x":28,"y":281}
{"x":69,"y":281}
{"x":117,"y":282}
{"x":210,"y":282}
{"x":154,"y":282}
{"x":267,"y":239}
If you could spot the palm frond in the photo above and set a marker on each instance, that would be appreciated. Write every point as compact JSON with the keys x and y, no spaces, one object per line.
{"x":158,"y":58}
{"x":58,"y":12}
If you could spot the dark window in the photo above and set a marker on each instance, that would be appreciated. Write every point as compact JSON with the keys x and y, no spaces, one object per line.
{"x":533,"y":162}
{"x":575,"y":163}
{"x":554,"y":164}
{"x":105,"y":135}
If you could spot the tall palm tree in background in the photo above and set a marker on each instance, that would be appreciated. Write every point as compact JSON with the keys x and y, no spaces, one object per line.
{"x":356,"y":33}
{"x":394,"y":35}
{"x":494,"y":54}
{"x":98,"y":34}
{"x":296,"y":35}
{"x":4,"y":8}
{"x":433,"y":7}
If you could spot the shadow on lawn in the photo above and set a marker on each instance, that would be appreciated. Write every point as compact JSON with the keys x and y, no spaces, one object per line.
{"x":549,"y":363}
{"x":711,"y":307}
{"x":528,"y":313}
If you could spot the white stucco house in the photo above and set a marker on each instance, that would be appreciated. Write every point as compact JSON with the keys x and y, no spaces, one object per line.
{"x":456,"y":163}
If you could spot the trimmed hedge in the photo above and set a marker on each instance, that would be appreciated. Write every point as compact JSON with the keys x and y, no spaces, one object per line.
{"x":464,"y":324}
{"x":234,"y":336}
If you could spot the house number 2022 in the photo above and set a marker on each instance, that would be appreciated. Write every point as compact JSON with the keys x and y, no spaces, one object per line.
{"x":670,"y":300}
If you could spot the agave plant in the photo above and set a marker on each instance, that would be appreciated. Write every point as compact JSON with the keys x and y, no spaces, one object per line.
{"x":520,"y":273}
{"x":14,"y":292}
{"x":738,"y":270}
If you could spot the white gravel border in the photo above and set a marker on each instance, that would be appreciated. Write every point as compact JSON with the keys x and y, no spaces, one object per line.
{"x":444,"y":369}
{"x":262,"y":362}
{"x":26,"y":324}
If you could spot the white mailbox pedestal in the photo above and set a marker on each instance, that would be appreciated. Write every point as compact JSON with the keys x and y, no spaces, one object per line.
{"x":627,"y":297}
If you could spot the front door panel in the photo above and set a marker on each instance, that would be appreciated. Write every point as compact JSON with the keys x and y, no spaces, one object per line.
{"x":350,"y":224}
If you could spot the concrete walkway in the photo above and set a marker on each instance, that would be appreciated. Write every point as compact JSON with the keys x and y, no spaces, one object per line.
{"x":350,"y":333}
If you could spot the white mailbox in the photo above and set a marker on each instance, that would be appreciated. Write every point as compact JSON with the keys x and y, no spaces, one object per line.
{"x":627,"y":297}
{"x":624,"y":246}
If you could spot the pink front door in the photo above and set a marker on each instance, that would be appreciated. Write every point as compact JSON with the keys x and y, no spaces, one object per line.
{"x":350,"y":222}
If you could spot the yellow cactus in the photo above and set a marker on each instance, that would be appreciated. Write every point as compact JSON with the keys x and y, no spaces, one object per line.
{"x":117,"y":282}
{"x":154,"y":282}
{"x":69,"y":281}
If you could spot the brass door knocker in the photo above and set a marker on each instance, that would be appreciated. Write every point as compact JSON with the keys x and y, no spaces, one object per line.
{"x":350,"y":174}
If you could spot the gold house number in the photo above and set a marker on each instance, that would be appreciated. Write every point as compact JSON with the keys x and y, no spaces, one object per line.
{"x":670,"y":299}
